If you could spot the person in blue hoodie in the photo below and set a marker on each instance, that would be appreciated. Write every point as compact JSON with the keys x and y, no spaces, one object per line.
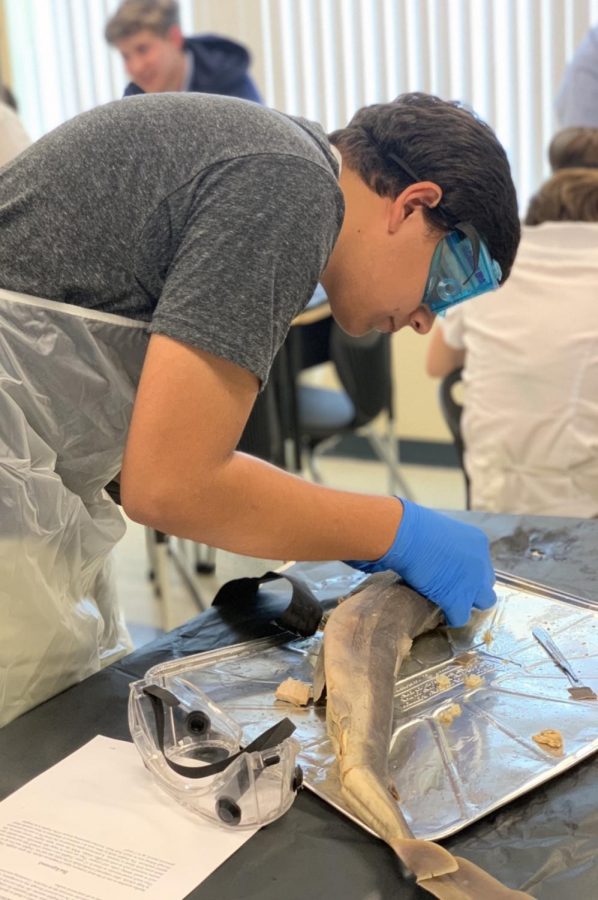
{"x":158,"y":58}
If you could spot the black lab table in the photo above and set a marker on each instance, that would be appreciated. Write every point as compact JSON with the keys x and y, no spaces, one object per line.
{"x":546,"y":842}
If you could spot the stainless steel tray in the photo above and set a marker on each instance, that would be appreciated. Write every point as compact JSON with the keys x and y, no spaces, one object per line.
{"x":447,"y":775}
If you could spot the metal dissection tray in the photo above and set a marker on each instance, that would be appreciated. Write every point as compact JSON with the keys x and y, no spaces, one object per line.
{"x":447,"y":775}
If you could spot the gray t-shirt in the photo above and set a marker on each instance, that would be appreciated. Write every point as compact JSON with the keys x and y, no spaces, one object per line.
{"x":209,"y":217}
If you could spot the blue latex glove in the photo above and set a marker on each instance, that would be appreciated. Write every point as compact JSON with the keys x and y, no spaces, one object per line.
{"x":445,"y":560}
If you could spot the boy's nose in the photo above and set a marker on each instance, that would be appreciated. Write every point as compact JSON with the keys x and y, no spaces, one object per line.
{"x":134,"y":66}
{"x":422,"y":320}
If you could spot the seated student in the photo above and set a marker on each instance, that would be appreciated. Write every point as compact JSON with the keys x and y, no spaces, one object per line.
{"x":158,"y":58}
{"x":574,"y":148}
{"x":530,"y":358}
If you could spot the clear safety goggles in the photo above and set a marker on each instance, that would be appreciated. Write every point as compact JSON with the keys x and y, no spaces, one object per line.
{"x":461,"y":268}
{"x":193,"y":750}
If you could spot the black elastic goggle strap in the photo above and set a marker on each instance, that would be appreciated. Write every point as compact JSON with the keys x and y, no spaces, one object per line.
{"x":446,"y":215}
{"x":474,"y":239}
{"x":273,"y":736}
{"x":398,"y":161}
{"x":302,"y":615}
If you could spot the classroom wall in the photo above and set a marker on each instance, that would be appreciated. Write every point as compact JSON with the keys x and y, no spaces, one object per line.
{"x":416,"y":405}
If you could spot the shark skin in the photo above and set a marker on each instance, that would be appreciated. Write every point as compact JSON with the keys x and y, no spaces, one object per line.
{"x":365,"y":641}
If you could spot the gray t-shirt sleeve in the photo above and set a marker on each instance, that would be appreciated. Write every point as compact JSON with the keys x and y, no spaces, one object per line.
{"x":257,"y":234}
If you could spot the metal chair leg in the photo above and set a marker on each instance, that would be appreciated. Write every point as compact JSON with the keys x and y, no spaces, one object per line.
{"x":157,"y":549}
{"x":162,"y":554}
{"x":205,"y":559}
{"x":150,"y":546}
{"x":387,"y":451}
{"x":312,"y":467}
{"x":182,"y":554}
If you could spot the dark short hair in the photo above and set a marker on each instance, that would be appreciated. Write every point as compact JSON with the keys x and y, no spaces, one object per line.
{"x":571,"y":195}
{"x":448,"y":144}
{"x":133,"y":16}
{"x":574,"y":148}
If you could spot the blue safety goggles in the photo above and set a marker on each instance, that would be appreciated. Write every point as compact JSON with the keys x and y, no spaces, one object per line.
{"x":461,"y":267}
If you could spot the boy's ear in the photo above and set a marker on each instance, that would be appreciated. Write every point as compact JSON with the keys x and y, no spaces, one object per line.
{"x":415,"y":196}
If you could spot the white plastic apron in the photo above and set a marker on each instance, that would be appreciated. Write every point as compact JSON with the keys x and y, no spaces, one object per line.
{"x":67,"y":383}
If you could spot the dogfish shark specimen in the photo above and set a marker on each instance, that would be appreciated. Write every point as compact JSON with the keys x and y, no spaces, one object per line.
{"x":365,"y":641}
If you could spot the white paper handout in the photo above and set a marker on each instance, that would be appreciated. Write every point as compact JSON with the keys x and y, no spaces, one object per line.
{"x":96,"y":827}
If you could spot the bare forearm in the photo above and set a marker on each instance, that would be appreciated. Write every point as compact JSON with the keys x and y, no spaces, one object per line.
{"x":442,"y":358}
{"x":250,"y":507}
{"x":182,"y":476}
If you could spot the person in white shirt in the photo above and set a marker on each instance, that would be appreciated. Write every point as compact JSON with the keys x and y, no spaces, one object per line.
{"x":530,"y":363}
